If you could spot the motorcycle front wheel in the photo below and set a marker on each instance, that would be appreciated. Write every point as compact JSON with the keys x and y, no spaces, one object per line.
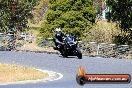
{"x":64,"y":54}
{"x":78,"y":53}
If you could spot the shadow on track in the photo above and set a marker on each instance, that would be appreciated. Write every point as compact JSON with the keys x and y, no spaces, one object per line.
{"x":72,"y":57}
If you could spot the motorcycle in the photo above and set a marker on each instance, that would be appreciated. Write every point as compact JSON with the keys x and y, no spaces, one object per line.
{"x":69,"y":47}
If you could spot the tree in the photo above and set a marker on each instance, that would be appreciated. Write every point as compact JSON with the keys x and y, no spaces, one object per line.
{"x":15,"y":13}
{"x":73,"y":16}
{"x":120,"y":11}
{"x":14,"y":16}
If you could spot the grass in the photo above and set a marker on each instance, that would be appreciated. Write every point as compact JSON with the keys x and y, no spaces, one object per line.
{"x":13,"y":73}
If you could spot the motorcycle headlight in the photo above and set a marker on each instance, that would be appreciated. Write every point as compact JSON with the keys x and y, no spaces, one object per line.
{"x":70,"y":45}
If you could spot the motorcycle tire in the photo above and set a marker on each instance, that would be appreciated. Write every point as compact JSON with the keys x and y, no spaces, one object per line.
{"x":78,"y":53}
{"x":64,"y":54}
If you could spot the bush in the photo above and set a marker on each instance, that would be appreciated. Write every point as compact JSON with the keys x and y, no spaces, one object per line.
{"x":103,"y":31}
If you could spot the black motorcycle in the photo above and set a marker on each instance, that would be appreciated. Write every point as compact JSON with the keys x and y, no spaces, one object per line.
{"x":69,"y":47}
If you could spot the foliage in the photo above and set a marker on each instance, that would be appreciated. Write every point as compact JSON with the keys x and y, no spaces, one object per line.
{"x":102,"y":32}
{"x":120,"y":11}
{"x":73,"y":16}
{"x":14,"y":14}
{"x":38,"y":11}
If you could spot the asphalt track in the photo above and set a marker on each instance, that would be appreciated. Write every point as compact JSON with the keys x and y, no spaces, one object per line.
{"x":67,"y":67}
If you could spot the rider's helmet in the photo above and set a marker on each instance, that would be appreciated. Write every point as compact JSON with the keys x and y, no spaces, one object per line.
{"x":58,"y":31}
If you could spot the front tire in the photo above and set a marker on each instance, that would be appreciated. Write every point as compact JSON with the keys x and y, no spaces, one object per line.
{"x":64,"y":54}
{"x":78,"y":53}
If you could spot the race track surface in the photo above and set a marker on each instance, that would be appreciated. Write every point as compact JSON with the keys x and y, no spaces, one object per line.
{"x":67,"y":67}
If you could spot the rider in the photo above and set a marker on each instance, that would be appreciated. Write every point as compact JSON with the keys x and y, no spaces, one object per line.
{"x":58,"y":39}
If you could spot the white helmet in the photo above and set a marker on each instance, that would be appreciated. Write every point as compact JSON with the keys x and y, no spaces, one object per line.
{"x":58,"y":31}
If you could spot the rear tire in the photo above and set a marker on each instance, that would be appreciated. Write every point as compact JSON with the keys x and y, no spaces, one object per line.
{"x":78,"y":53}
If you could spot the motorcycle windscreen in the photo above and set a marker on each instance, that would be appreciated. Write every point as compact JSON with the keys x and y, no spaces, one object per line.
{"x":70,"y":40}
